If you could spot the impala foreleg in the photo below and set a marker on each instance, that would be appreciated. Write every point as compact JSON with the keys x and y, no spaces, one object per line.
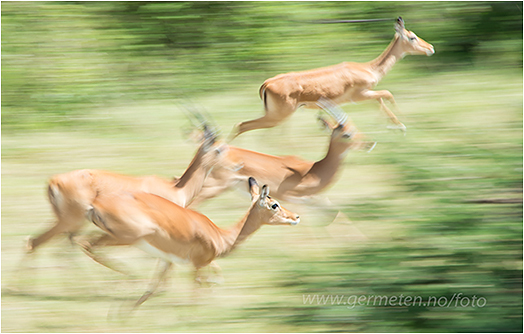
{"x":215,"y":268}
{"x":197,"y":276}
{"x":398,"y":125}
{"x":380,"y":96}
{"x":155,"y":284}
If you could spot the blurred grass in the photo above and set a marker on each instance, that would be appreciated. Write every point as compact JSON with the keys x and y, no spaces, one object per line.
{"x":60,"y":60}
{"x":433,"y":213}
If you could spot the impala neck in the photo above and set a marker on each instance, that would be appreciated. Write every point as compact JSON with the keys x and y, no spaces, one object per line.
{"x":333,"y":159}
{"x":248,"y":225}
{"x":191,"y":182}
{"x":383,"y":63}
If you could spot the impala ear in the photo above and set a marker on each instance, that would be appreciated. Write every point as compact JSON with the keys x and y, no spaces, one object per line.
{"x":254,"y":190}
{"x":265,"y":191}
{"x":399,"y":26}
{"x":263,"y":195}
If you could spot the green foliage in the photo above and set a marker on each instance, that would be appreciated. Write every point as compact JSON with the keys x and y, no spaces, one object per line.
{"x":59,"y":58}
{"x":463,"y":242}
{"x":92,"y":85}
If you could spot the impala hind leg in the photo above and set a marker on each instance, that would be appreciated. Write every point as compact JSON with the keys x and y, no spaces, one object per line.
{"x":263,"y":122}
{"x":272,"y":118}
{"x":28,"y":260}
{"x":89,"y":246}
{"x":70,"y":225}
{"x":208,"y":192}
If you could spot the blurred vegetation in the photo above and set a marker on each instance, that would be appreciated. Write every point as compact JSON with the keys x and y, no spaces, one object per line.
{"x":95,"y":84}
{"x":61,"y":58}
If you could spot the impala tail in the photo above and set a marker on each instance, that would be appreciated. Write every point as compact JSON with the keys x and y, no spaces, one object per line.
{"x":55,"y":196}
{"x":262,"y":94}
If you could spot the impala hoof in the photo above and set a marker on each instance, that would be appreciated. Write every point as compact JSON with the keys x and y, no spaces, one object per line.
{"x":400,"y":127}
{"x":218,"y":280}
{"x":373,"y":147}
{"x":29,"y":244}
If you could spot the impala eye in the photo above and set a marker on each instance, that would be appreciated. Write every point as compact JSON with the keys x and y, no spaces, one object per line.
{"x":274,"y":206}
{"x":346,"y":135}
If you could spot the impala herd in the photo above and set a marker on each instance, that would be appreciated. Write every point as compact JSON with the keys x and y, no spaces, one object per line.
{"x":151,"y":213}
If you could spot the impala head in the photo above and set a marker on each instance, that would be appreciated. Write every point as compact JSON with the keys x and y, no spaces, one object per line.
{"x":344,"y":134}
{"x":213,"y":152}
{"x":411,"y":43}
{"x":270,"y":210}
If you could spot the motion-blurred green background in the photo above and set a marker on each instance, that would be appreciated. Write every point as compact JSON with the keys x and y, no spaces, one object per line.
{"x":437,"y":212}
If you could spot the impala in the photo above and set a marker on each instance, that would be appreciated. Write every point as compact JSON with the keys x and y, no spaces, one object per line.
{"x":342,"y":83}
{"x":175,"y":234}
{"x":290,"y":178}
{"x":71,"y":194}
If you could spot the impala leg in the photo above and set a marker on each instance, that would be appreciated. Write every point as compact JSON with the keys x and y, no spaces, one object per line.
{"x":88,"y":247}
{"x":273,"y":117}
{"x":380,"y":96}
{"x":70,"y":219}
{"x":259,"y":123}
{"x":398,"y":125}
{"x":14,"y":280}
{"x":337,"y":223}
{"x":324,"y":204}
{"x":155,"y":283}
{"x":341,"y":225}
{"x":197,"y":283}
{"x":215,"y":268}
{"x":198,"y":278}
{"x":61,"y":226}
{"x":209,"y":192}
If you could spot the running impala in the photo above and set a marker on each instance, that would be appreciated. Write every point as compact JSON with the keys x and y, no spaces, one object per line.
{"x":175,"y":234}
{"x":71,"y":194}
{"x":342,"y":83}
{"x":290,"y":178}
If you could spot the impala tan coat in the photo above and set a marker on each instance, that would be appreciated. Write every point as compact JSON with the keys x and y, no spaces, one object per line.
{"x":176,"y":234}
{"x":290,"y":178}
{"x":342,"y":83}
{"x":71,"y":194}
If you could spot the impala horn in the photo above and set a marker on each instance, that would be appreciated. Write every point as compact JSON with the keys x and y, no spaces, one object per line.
{"x":333,"y":110}
{"x":400,"y":22}
{"x":201,"y":120}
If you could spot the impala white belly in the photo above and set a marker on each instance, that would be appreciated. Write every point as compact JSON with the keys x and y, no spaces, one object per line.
{"x":153,"y":251}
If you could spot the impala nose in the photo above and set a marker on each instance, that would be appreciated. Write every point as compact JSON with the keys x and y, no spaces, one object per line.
{"x":296,"y":221}
{"x":431,"y":51}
